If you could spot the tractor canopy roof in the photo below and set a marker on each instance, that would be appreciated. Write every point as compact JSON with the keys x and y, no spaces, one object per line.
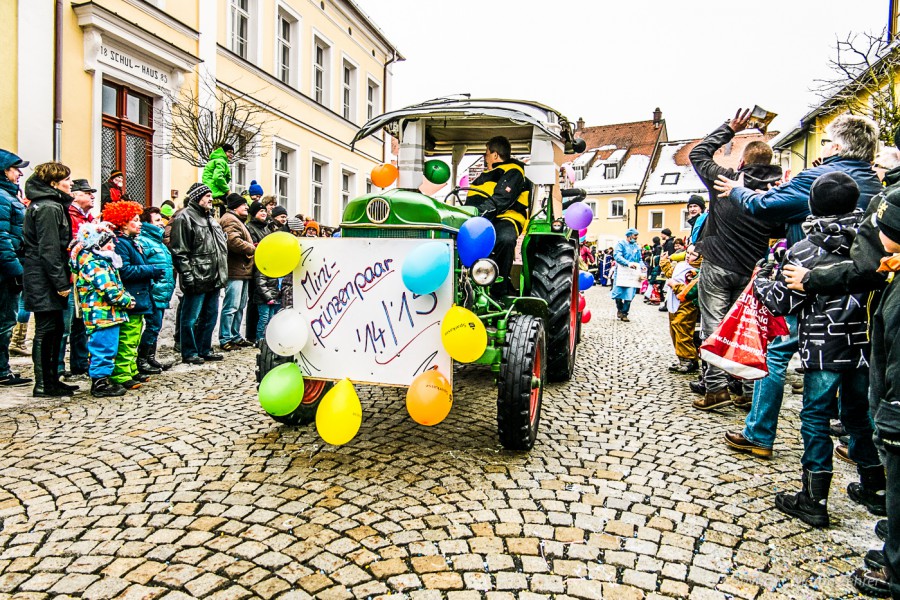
{"x":468,"y":123}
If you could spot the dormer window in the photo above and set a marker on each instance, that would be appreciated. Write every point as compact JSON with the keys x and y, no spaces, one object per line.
{"x":612,"y":171}
{"x":670,"y":178}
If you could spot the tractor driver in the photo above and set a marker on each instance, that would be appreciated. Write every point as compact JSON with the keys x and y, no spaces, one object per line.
{"x":501,"y":193}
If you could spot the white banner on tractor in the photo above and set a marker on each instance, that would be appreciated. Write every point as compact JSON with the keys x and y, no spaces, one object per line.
{"x":364,"y":324}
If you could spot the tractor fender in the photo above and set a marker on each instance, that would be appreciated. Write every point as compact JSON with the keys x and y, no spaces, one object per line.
{"x":526,"y":305}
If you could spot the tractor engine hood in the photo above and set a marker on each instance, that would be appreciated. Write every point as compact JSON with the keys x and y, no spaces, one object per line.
{"x":400,"y":208}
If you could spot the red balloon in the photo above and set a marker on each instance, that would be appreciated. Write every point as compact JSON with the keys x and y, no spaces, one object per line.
{"x":586,"y":316}
{"x":581,"y":302}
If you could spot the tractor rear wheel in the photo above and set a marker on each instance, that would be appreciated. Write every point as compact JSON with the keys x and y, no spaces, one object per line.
{"x":521,"y":382}
{"x":313,"y":389}
{"x":554,"y":278}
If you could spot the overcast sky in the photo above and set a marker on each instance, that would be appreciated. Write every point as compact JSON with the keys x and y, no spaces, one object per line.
{"x":615,"y":61}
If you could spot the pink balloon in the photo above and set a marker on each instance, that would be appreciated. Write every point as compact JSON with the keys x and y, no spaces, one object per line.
{"x":581,"y":302}
{"x":582,"y":232}
{"x":464,"y":181}
{"x":586,"y":316}
{"x":570,"y":173}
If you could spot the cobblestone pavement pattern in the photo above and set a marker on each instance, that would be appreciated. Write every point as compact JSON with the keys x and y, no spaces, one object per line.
{"x":187,"y":489}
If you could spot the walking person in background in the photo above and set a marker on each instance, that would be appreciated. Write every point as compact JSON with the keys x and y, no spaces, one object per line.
{"x":74,"y":333}
{"x":137,"y":275}
{"x":240,"y":269}
{"x":199,"y":253}
{"x":12,"y":217}
{"x":103,"y":302}
{"x":113,"y":190}
{"x":217,"y":175}
{"x":47,"y":280}
{"x":627,"y":256}
{"x":155,"y":252}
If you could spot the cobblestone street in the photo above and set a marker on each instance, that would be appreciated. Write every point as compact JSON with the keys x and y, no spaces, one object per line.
{"x":187,"y":488}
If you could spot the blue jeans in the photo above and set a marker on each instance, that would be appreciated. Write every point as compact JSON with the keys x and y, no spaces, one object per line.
{"x":75,"y":336}
{"x":103,"y":345}
{"x":198,"y":321}
{"x":266,"y":311}
{"x":152,"y":324}
{"x":768,"y":393}
{"x":623,"y":306}
{"x":820,"y":404}
{"x":9,"y":304}
{"x":232,"y":310}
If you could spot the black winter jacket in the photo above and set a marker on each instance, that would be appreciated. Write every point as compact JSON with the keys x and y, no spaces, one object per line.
{"x":137,"y":274}
{"x":833,"y":328}
{"x":859,"y":274}
{"x":884,"y":377}
{"x":199,"y":250}
{"x":732,"y":238}
{"x":46,"y":234}
{"x":258,"y":230}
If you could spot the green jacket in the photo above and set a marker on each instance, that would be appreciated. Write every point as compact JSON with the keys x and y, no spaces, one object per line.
{"x":101,"y":294}
{"x":217,"y":173}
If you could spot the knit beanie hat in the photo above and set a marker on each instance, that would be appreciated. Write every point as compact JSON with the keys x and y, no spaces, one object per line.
{"x":255,"y":189}
{"x":114,"y":174}
{"x":166,"y":210}
{"x":888,"y":216}
{"x":232,"y":201}
{"x":278,"y":211}
{"x":698,"y":200}
{"x":255,"y":207}
{"x":197,"y":191}
{"x":91,"y":235}
{"x":294,"y":224}
{"x":833,"y":193}
{"x":119,"y":214}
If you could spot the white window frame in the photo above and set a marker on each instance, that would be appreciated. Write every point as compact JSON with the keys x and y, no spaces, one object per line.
{"x":685,"y":226}
{"x":615,"y":171}
{"x":251,"y":13}
{"x":318,"y":40}
{"x":611,"y":213}
{"x":350,"y":192}
{"x":666,"y":176}
{"x":373,"y":105}
{"x":579,"y":172}
{"x":321,"y":186}
{"x":662,"y":220}
{"x":370,"y":187}
{"x":292,"y":175}
{"x":283,"y":11}
{"x":592,"y":204}
{"x":349,"y":91}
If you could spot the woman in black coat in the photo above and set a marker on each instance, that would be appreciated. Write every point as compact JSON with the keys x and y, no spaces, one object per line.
{"x":47,"y":280}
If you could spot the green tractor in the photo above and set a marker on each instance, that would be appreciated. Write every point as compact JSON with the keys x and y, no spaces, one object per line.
{"x":532,"y":334}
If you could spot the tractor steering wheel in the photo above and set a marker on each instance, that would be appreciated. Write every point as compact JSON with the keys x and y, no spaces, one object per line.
{"x":455,"y":194}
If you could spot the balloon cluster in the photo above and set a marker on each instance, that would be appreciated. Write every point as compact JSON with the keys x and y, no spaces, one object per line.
{"x":585,"y":312}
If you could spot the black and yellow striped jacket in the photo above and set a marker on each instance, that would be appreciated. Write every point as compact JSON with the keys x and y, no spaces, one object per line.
{"x":502,"y":193}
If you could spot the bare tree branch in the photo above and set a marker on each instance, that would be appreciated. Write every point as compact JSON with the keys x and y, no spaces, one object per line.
{"x":865,"y":70}
{"x":194,"y":129}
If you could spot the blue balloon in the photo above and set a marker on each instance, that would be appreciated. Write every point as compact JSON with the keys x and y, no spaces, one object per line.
{"x":585,"y":280}
{"x":476,"y":240}
{"x":336,"y":234}
{"x":426,"y":267}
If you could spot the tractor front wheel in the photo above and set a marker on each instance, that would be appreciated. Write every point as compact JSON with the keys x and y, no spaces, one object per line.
{"x":521,"y":382}
{"x":313,"y":389}
{"x":554,"y":277}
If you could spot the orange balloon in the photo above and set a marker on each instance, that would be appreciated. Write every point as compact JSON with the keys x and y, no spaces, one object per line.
{"x":429,"y":398}
{"x":384,"y":175}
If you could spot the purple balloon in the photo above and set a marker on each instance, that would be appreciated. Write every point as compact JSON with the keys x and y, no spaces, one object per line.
{"x":475,"y":240}
{"x":578,"y":216}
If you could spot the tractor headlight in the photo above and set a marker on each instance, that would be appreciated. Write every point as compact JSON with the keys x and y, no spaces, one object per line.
{"x":485,"y":271}
{"x":557,"y":226}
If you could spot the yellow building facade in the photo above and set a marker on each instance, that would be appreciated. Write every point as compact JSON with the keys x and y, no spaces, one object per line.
{"x":312,"y":72}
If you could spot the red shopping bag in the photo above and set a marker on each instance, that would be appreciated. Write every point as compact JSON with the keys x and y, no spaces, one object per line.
{"x":644,"y":285}
{"x":738,"y":346}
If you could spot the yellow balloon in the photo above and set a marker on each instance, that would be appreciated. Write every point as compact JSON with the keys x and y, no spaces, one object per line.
{"x":463,"y":335}
{"x":277,"y":254}
{"x":339,"y":414}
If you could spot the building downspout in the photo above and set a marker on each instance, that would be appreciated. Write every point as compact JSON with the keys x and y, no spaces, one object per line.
{"x":57,"y":82}
{"x":384,"y":92}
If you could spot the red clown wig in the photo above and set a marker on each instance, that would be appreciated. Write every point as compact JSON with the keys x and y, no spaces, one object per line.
{"x":119,"y":214}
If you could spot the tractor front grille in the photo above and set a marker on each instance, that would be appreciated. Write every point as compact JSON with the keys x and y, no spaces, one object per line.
{"x":378,"y":210}
{"x":389,"y":233}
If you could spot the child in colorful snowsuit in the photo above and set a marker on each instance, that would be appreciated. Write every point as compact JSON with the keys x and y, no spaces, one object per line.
{"x":102,"y":300}
{"x":683,"y":315}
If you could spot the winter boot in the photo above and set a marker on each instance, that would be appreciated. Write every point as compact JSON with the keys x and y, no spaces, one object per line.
{"x":870,"y":490}
{"x":810,"y":504}
{"x":151,"y":360}
{"x":17,"y":345}
{"x":106,"y":388}
{"x":143,"y":365}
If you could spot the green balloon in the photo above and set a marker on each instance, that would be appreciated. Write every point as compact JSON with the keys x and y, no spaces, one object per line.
{"x":281,"y":390}
{"x":437,"y":171}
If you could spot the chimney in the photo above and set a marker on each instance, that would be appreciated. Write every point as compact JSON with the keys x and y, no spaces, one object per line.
{"x":657,"y":117}
{"x":579,"y":124}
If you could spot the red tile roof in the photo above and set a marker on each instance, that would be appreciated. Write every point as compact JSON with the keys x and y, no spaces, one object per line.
{"x":728,"y":155}
{"x":639,"y":137}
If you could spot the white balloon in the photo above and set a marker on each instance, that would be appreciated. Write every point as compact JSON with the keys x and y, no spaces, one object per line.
{"x":287,"y":332}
